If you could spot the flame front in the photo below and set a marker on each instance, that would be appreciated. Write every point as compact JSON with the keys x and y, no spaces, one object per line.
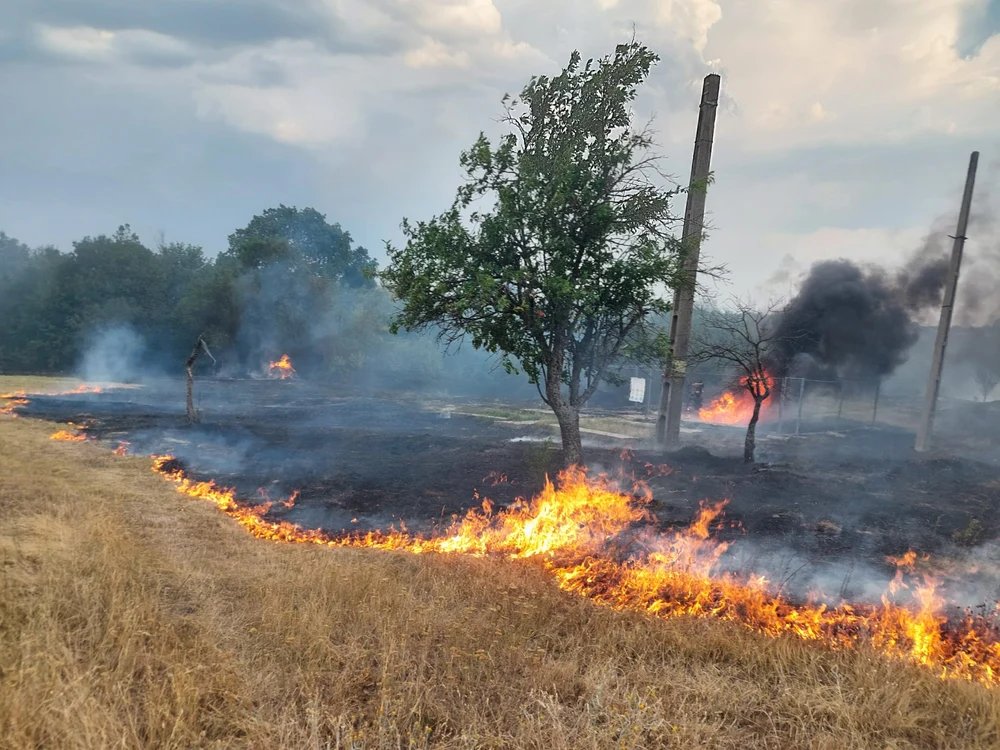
{"x":18,"y":399}
{"x":581,"y":530}
{"x":282,"y":368}
{"x":13,"y":402}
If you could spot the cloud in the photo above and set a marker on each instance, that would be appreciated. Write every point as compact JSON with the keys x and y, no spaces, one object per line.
{"x":693,"y":19}
{"x":212,"y":23}
{"x":138,"y":46}
{"x":881,"y":72}
{"x":434,"y":54}
{"x":316,"y":98}
{"x":455,"y":17}
{"x":843,"y":130}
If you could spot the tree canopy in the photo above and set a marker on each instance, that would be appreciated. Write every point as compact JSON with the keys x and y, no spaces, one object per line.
{"x":302,"y":237}
{"x":559,"y":245}
{"x":114,"y":308}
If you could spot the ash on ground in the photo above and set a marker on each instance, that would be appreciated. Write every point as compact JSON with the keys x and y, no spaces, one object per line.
{"x":821,"y":512}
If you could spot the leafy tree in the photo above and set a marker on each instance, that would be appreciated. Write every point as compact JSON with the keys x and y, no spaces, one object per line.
{"x":209,"y":305}
{"x":556,"y":248}
{"x":33,"y":337}
{"x":112,"y":279}
{"x":14,"y":259}
{"x":303,"y":237}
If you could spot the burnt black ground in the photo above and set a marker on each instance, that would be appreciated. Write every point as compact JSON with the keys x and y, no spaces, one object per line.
{"x":821,"y":510}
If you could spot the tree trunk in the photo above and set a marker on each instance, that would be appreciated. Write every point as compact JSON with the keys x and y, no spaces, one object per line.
{"x":569,"y":428}
{"x":751,"y":441}
{"x":192,"y":415}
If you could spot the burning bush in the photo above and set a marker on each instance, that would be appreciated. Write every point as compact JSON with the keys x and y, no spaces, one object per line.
{"x":281,"y":368}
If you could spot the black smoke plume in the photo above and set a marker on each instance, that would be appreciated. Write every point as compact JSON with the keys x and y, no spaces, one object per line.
{"x":852,"y":322}
{"x":859,"y":322}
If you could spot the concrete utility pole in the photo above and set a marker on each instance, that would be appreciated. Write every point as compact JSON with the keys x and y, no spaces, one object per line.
{"x":947,"y":306}
{"x":668,"y":422}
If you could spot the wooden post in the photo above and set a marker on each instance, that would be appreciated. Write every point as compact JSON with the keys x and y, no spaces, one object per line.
{"x":878,"y":388}
{"x":199,"y":346}
{"x":668,"y":422}
{"x":947,"y":307}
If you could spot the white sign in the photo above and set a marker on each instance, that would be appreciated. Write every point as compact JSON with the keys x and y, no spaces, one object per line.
{"x":637,"y":390}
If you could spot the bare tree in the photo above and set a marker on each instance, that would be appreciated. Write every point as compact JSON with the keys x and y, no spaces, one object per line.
{"x":745,"y":339}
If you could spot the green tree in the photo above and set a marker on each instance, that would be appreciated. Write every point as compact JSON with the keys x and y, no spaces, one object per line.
{"x":557,"y":247}
{"x":15,"y":258}
{"x":33,"y":337}
{"x":112,"y":279}
{"x":302,"y":237}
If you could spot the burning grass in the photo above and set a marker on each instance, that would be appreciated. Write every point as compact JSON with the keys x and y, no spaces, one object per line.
{"x":20,"y":387}
{"x":132,"y":617}
{"x":573,"y":530}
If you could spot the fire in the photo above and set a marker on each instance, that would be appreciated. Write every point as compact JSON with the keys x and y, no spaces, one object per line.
{"x":596,"y":541}
{"x":17,"y":399}
{"x":735,"y":407}
{"x":14,"y":401}
{"x":82,"y":389}
{"x":67,"y":436}
{"x":282,"y":368}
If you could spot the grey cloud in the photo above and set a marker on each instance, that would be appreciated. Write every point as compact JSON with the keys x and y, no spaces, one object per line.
{"x":979,"y":24}
{"x":206,"y":27}
{"x":217,"y":22}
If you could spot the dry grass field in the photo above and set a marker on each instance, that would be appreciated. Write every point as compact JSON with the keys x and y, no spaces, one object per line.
{"x":133,"y":617}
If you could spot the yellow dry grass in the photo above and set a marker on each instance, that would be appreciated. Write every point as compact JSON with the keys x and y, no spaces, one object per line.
{"x":36,"y":383}
{"x":133,"y":617}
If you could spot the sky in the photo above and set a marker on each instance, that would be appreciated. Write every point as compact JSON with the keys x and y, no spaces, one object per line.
{"x":844,"y":129}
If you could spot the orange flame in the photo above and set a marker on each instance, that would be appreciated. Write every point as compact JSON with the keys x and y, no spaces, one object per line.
{"x":571,"y":528}
{"x":282,"y":368}
{"x":735,"y":407}
{"x":82,"y":389}
{"x":75,"y":435}
{"x":67,"y":436}
{"x":17,"y":399}
{"x":14,"y":401}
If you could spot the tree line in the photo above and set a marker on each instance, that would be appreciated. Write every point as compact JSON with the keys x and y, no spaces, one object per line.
{"x":288,"y":282}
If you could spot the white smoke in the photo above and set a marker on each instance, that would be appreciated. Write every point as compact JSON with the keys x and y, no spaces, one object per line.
{"x":113,"y":354}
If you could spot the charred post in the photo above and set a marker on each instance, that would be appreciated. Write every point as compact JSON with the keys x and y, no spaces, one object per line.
{"x":199,"y":347}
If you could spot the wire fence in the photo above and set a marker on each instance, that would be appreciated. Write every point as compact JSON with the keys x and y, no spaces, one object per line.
{"x":804,"y":404}
{"x":797,"y":405}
